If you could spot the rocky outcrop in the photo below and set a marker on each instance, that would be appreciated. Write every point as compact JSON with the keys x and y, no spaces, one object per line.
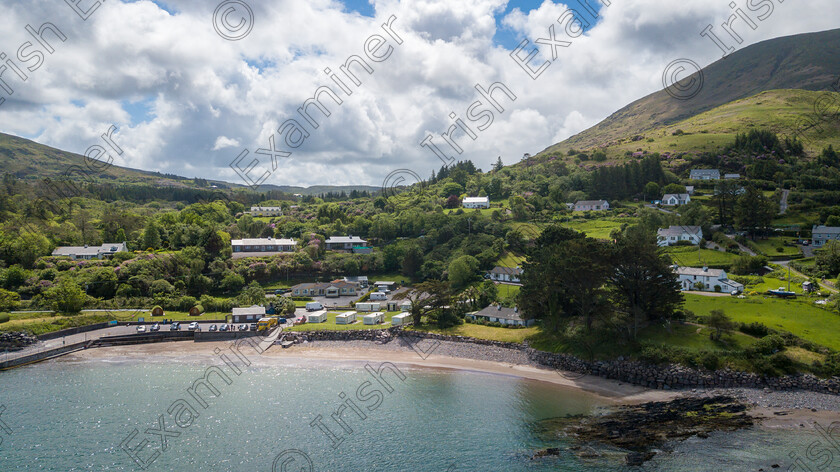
{"x":15,"y":341}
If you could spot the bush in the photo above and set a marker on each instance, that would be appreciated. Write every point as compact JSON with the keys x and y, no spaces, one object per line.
{"x":710,"y":360}
{"x":4,"y":317}
{"x":754,"y":329}
{"x":768,"y":345}
{"x":783,"y":363}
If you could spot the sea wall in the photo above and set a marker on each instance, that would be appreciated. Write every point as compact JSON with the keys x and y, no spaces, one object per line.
{"x":663,"y":377}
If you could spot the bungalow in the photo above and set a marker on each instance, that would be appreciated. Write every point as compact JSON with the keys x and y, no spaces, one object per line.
{"x":334,"y":289}
{"x":704,"y":174}
{"x":90,"y":252}
{"x":675,"y":234}
{"x":731,"y":176}
{"x":362,"y":280}
{"x":344,"y":243}
{"x":506,"y":274}
{"x":592,"y":205}
{"x":706,"y":280}
{"x":249,"y":314}
{"x":261,"y":247}
{"x":266,"y":211}
{"x":689,"y":189}
{"x":823,"y":234}
{"x":500,"y":314}
{"x":476,"y":202}
{"x":676,"y":199}
{"x":384,"y":285}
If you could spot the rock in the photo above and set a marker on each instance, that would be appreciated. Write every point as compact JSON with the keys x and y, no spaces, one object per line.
{"x":638,"y":458}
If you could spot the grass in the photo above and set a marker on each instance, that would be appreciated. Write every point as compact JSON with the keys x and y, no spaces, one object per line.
{"x":509,"y":259}
{"x":41,"y":323}
{"x":692,"y":256}
{"x":695,"y":338}
{"x":506,"y":291}
{"x":491,"y":333}
{"x":769,"y":247}
{"x":330,"y":324}
{"x":800,"y":317}
{"x":598,"y":228}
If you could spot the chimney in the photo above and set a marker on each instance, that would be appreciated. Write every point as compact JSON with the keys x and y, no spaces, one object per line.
{"x":499,"y":308}
{"x":705,"y":269}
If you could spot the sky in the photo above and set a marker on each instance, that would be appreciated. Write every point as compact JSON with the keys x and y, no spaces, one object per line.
{"x":205,"y":89}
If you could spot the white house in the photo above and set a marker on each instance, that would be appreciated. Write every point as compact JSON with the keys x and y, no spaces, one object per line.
{"x":704,"y":174}
{"x":706,"y":280}
{"x":344,"y":242}
{"x":266,"y":211}
{"x":476,"y":202}
{"x":261,"y":247}
{"x":592,"y":205}
{"x":822,"y":234}
{"x":676,"y":199}
{"x":506,"y":274}
{"x":675,"y":234}
{"x":90,"y":252}
{"x":731,"y":176}
{"x":500,"y":314}
{"x":248,"y":314}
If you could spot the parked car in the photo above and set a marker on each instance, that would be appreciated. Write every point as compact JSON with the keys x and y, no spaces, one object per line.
{"x":175,"y":326}
{"x":141,"y":329}
{"x":243,"y":327}
{"x":193,"y":326}
{"x":213,"y":328}
{"x":223,"y":327}
{"x":155,"y":327}
{"x":281,"y":291}
{"x":253,"y":326}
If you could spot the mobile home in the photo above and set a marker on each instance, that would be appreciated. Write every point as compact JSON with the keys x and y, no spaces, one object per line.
{"x":374,"y":306}
{"x":374,"y":318}
{"x":401,"y":320}
{"x":317,"y":317}
{"x":346,"y":318}
{"x":379,"y":296}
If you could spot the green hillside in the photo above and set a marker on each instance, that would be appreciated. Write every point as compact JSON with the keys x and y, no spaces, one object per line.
{"x":806,"y":62}
{"x":780,"y":111}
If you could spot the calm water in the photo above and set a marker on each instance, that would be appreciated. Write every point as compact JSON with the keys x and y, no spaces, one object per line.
{"x":73,"y":415}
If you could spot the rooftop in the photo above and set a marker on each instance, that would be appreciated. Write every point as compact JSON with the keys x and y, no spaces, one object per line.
{"x":263,"y":242}
{"x":678,"y":230}
{"x":345,"y":239}
{"x":496,"y":311}
{"x":704,"y":271}
{"x":826,"y":229}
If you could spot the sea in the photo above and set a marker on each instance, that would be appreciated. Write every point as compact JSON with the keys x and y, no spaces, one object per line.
{"x":229,"y":413}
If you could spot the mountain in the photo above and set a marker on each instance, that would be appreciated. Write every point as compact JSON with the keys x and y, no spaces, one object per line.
{"x":31,"y":161}
{"x":805,"y":62}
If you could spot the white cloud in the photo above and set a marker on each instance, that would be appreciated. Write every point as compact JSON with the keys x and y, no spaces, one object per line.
{"x":209,"y":98}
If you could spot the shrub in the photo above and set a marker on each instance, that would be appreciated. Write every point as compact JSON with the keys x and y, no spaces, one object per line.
{"x":768,"y":345}
{"x":4,"y":317}
{"x":754,"y":329}
{"x":783,"y":363}
{"x":710,"y":360}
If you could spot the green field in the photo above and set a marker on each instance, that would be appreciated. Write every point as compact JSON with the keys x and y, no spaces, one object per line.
{"x":801,"y":317}
{"x":330,"y":324}
{"x":769,"y":247}
{"x":599,"y":228}
{"x":484,"y":332}
{"x":692,"y":256}
{"x":508,"y":259}
{"x":695,"y":338}
{"x":506,"y":291}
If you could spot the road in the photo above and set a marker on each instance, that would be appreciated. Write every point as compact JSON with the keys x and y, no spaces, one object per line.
{"x":783,"y":203}
{"x":794,"y":272}
{"x":741,"y":246}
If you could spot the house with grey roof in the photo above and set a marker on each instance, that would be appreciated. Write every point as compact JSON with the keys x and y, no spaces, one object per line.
{"x":732,"y":176}
{"x":704,"y":174}
{"x":248,"y":314}
{"x":592,"y":205}
{"x":676,"y":199}
{"x":344,"y":243}
{"x":706,"y":280}
{"x":90,"y":252}
{"x":266,"y":211}
{"x":255,"y":247}
{"x":674,"y":234}
{"x":505,"y":274}
{"x":476,"y":202}
{"x":500,"y":314}
{"x":823,"y":234}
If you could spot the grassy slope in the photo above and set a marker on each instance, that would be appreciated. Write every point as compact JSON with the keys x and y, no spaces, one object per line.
{"x":805,"y":61}
{"x":800,"y":317}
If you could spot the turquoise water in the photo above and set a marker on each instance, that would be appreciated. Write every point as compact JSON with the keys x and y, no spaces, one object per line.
{"x":72,"y":415}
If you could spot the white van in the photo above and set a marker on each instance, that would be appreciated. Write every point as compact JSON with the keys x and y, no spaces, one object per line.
{"x":314,"y":306}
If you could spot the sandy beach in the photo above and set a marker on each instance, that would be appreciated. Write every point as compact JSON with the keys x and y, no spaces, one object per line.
{"x":789,"y":410}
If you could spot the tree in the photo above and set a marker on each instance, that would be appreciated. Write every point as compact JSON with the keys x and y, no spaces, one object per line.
{"x":652,"y":190}
{"x":66,"y":297}
{"x":252,"y":295}
{"x":719,"y":322}
{"x":8,"y":300}
{"x":412,"y":261}
{"x":429,"y":299}
{"x":564,"y":277}
{"x":462,"y":271}
{"x":828,"y":259}
{"x":498,"y":165}
{"x":754,"y":212}
{"x":284,"y":305}
{"x":726,"y":193}
{"x":643,"y":285}
{"x":151,"y":235}
{"x":673,"y":188}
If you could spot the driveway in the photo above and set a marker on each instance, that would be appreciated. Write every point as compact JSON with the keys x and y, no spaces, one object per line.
{"x":783,"y":203}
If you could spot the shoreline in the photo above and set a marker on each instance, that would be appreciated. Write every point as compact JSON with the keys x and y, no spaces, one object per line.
{"x":772,"y":409}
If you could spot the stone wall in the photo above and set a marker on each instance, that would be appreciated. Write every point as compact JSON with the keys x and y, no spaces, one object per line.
{"x":633,"y":372}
